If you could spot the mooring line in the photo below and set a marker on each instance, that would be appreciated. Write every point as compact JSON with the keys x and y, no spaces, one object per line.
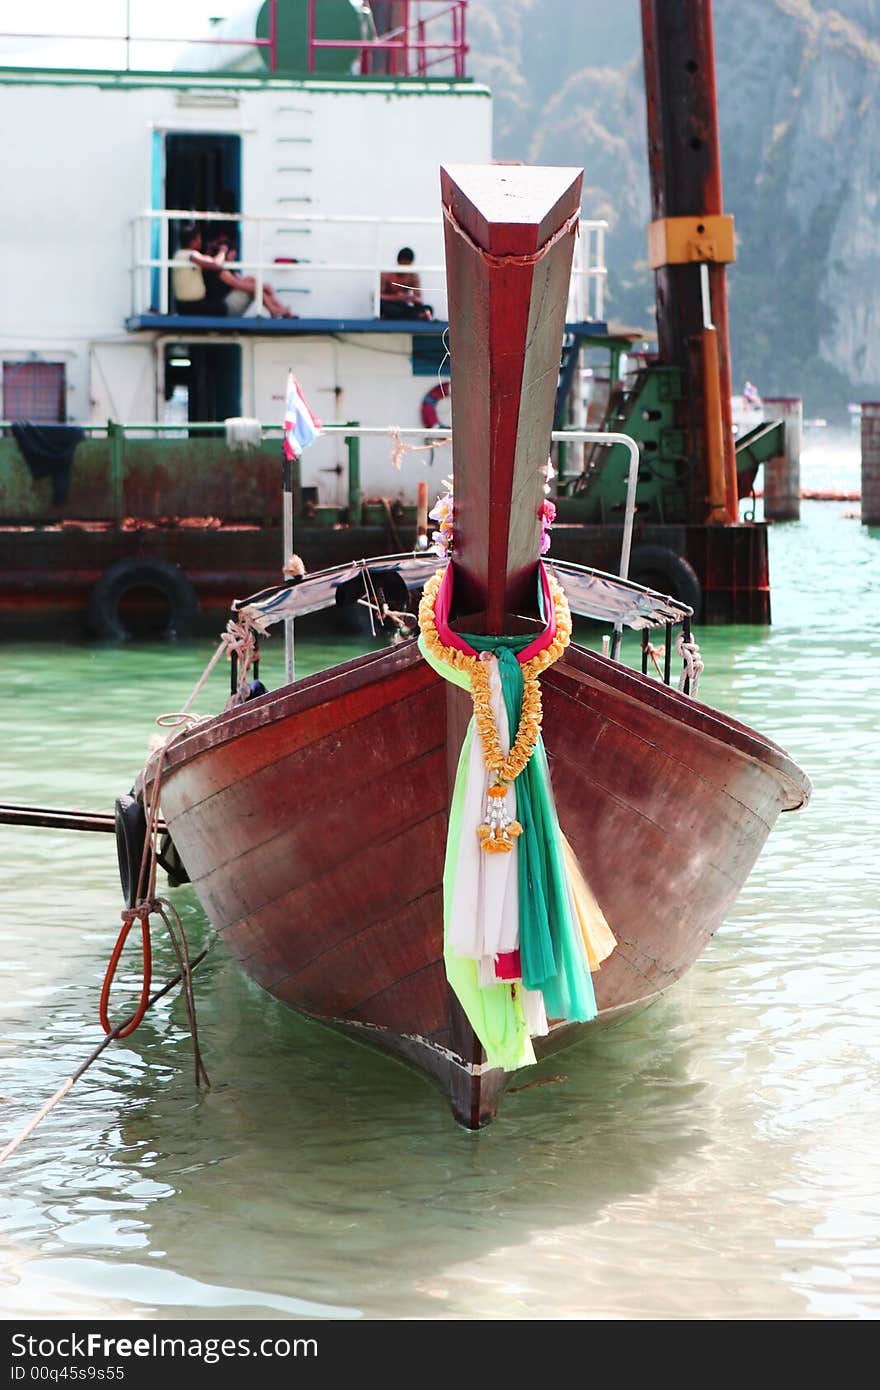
{"x":63,"y":1089}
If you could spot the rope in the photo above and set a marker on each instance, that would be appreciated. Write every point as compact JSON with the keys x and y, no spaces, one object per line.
{"x":571,"y":226}
{"x":147,"y":905}
{"x":372,"y":598}
{"x":400,"y":448}
{"x":693,"y":663}
{"x":239,"y":640}
{"x":655,"y":654}
{"x":402,"y":622}
{"x":63,"y":1089}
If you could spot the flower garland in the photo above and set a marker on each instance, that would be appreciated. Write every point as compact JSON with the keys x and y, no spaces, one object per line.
{"x":443,"y":539}
{"x":498,"y":831}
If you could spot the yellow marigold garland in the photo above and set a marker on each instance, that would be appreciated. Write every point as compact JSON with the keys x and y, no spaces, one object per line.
{"x":506,"y":769}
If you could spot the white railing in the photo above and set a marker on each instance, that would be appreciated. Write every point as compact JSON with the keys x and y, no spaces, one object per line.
{"x":342,"y":280}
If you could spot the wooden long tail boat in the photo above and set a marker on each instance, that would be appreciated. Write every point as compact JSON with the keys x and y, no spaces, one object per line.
{"x":313,"y":819}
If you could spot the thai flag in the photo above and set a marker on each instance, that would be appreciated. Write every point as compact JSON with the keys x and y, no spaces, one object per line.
{"x":750,"y":394}
{"x":301,"y":427}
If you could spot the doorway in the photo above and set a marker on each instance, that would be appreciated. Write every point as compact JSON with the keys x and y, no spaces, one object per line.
{"x":202,"y":382}
{"x":195,"y":173}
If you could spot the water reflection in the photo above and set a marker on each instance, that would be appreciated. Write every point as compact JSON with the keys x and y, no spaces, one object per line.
{"x":313,"y":1160}
{"x":712,"y":1158}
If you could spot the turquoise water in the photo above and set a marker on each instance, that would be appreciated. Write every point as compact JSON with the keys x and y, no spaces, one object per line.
{"x":714,"y":1158}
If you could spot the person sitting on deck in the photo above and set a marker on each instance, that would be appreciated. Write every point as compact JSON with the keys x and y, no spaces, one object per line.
{"x":400,"y":291}
{"x":234,"y":291}
{"x":188,"y":275}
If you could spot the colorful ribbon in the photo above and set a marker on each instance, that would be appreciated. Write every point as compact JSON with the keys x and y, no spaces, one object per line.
{"x":521,"y":930}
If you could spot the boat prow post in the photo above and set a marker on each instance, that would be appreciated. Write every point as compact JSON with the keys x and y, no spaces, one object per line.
{"x":510,"y":233}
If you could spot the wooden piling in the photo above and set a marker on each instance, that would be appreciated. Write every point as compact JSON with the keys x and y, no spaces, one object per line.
{"x":782,"y":474}
{"x":871,"y":463}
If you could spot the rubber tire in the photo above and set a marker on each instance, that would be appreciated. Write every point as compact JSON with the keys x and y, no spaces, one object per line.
{"x":131,"y":832}
{"x":104,"y":618}
{"x":658,"y":567}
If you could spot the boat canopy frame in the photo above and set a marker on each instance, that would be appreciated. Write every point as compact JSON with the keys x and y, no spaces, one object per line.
{"x":591,"y":593}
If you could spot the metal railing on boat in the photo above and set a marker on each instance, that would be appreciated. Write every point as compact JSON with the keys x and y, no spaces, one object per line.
{"x":374,"y":252}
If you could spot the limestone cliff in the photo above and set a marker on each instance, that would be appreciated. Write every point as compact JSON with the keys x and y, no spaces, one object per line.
{"x":799,"y":109}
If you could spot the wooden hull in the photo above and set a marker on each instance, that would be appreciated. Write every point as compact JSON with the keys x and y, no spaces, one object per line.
{"x":312,"y":822}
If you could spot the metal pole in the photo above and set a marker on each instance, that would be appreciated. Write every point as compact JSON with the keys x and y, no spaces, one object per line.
{"x":116,"y":452}
{"x":258,"y":288}
{"x":311,"y":35}
{"x":684,"y":164}
{"x":273,"y":36}
{"x":686,"y":631}
{"x":287,"y":546}
{"x":628,"y":520}
{"x":723,"y":508}
{"x":355,"y":495}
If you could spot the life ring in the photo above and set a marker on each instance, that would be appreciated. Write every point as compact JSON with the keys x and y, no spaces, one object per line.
{"x":430,"y":419}
{"x":162,"y":601}
{"x":658,"y":567}
{"x":131,"y":834}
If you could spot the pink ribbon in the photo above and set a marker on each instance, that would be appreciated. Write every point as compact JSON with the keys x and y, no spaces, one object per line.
{"x":449,"y":638}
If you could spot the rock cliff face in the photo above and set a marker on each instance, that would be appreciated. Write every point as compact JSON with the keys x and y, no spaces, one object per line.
{"x":799,"y":109}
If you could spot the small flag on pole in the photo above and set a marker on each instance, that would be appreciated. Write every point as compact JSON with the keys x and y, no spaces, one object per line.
{"x":301,"y":427}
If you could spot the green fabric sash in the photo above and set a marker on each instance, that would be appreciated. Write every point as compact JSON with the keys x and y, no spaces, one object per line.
{"x":551,"y":946}
{"x":552,"y":951}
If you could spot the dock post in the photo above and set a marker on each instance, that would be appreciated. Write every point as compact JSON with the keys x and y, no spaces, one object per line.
{"x":782,"y":475}
{"x":422,"y":517}
{"x":871,"y":463}
{"x":354,"y":476}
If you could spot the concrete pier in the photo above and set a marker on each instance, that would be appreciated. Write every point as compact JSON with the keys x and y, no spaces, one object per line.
{"x":782,"y":475}
{"x":871,"y":463}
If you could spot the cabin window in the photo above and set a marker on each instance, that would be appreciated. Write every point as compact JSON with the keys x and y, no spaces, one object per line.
{"x":35,"y":391}
{"x":429,"y":354}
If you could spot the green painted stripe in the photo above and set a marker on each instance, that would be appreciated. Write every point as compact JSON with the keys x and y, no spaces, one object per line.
{"x":102,"y":77}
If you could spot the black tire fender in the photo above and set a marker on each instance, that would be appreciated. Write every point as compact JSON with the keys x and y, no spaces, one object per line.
{"x":104,"y":617}
{"x":131,"y":834}
{"x":658,"y":567}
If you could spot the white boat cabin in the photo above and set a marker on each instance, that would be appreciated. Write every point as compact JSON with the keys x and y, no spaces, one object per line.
{"x":309,"y":133}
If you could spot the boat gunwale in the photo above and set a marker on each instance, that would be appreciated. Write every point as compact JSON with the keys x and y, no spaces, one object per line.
{"x":346,"y":678}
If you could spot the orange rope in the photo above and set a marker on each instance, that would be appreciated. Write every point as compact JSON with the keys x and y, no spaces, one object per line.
{"x":129,"y":917}
{"x":145,"y":906}
{"x":240,"y":638}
